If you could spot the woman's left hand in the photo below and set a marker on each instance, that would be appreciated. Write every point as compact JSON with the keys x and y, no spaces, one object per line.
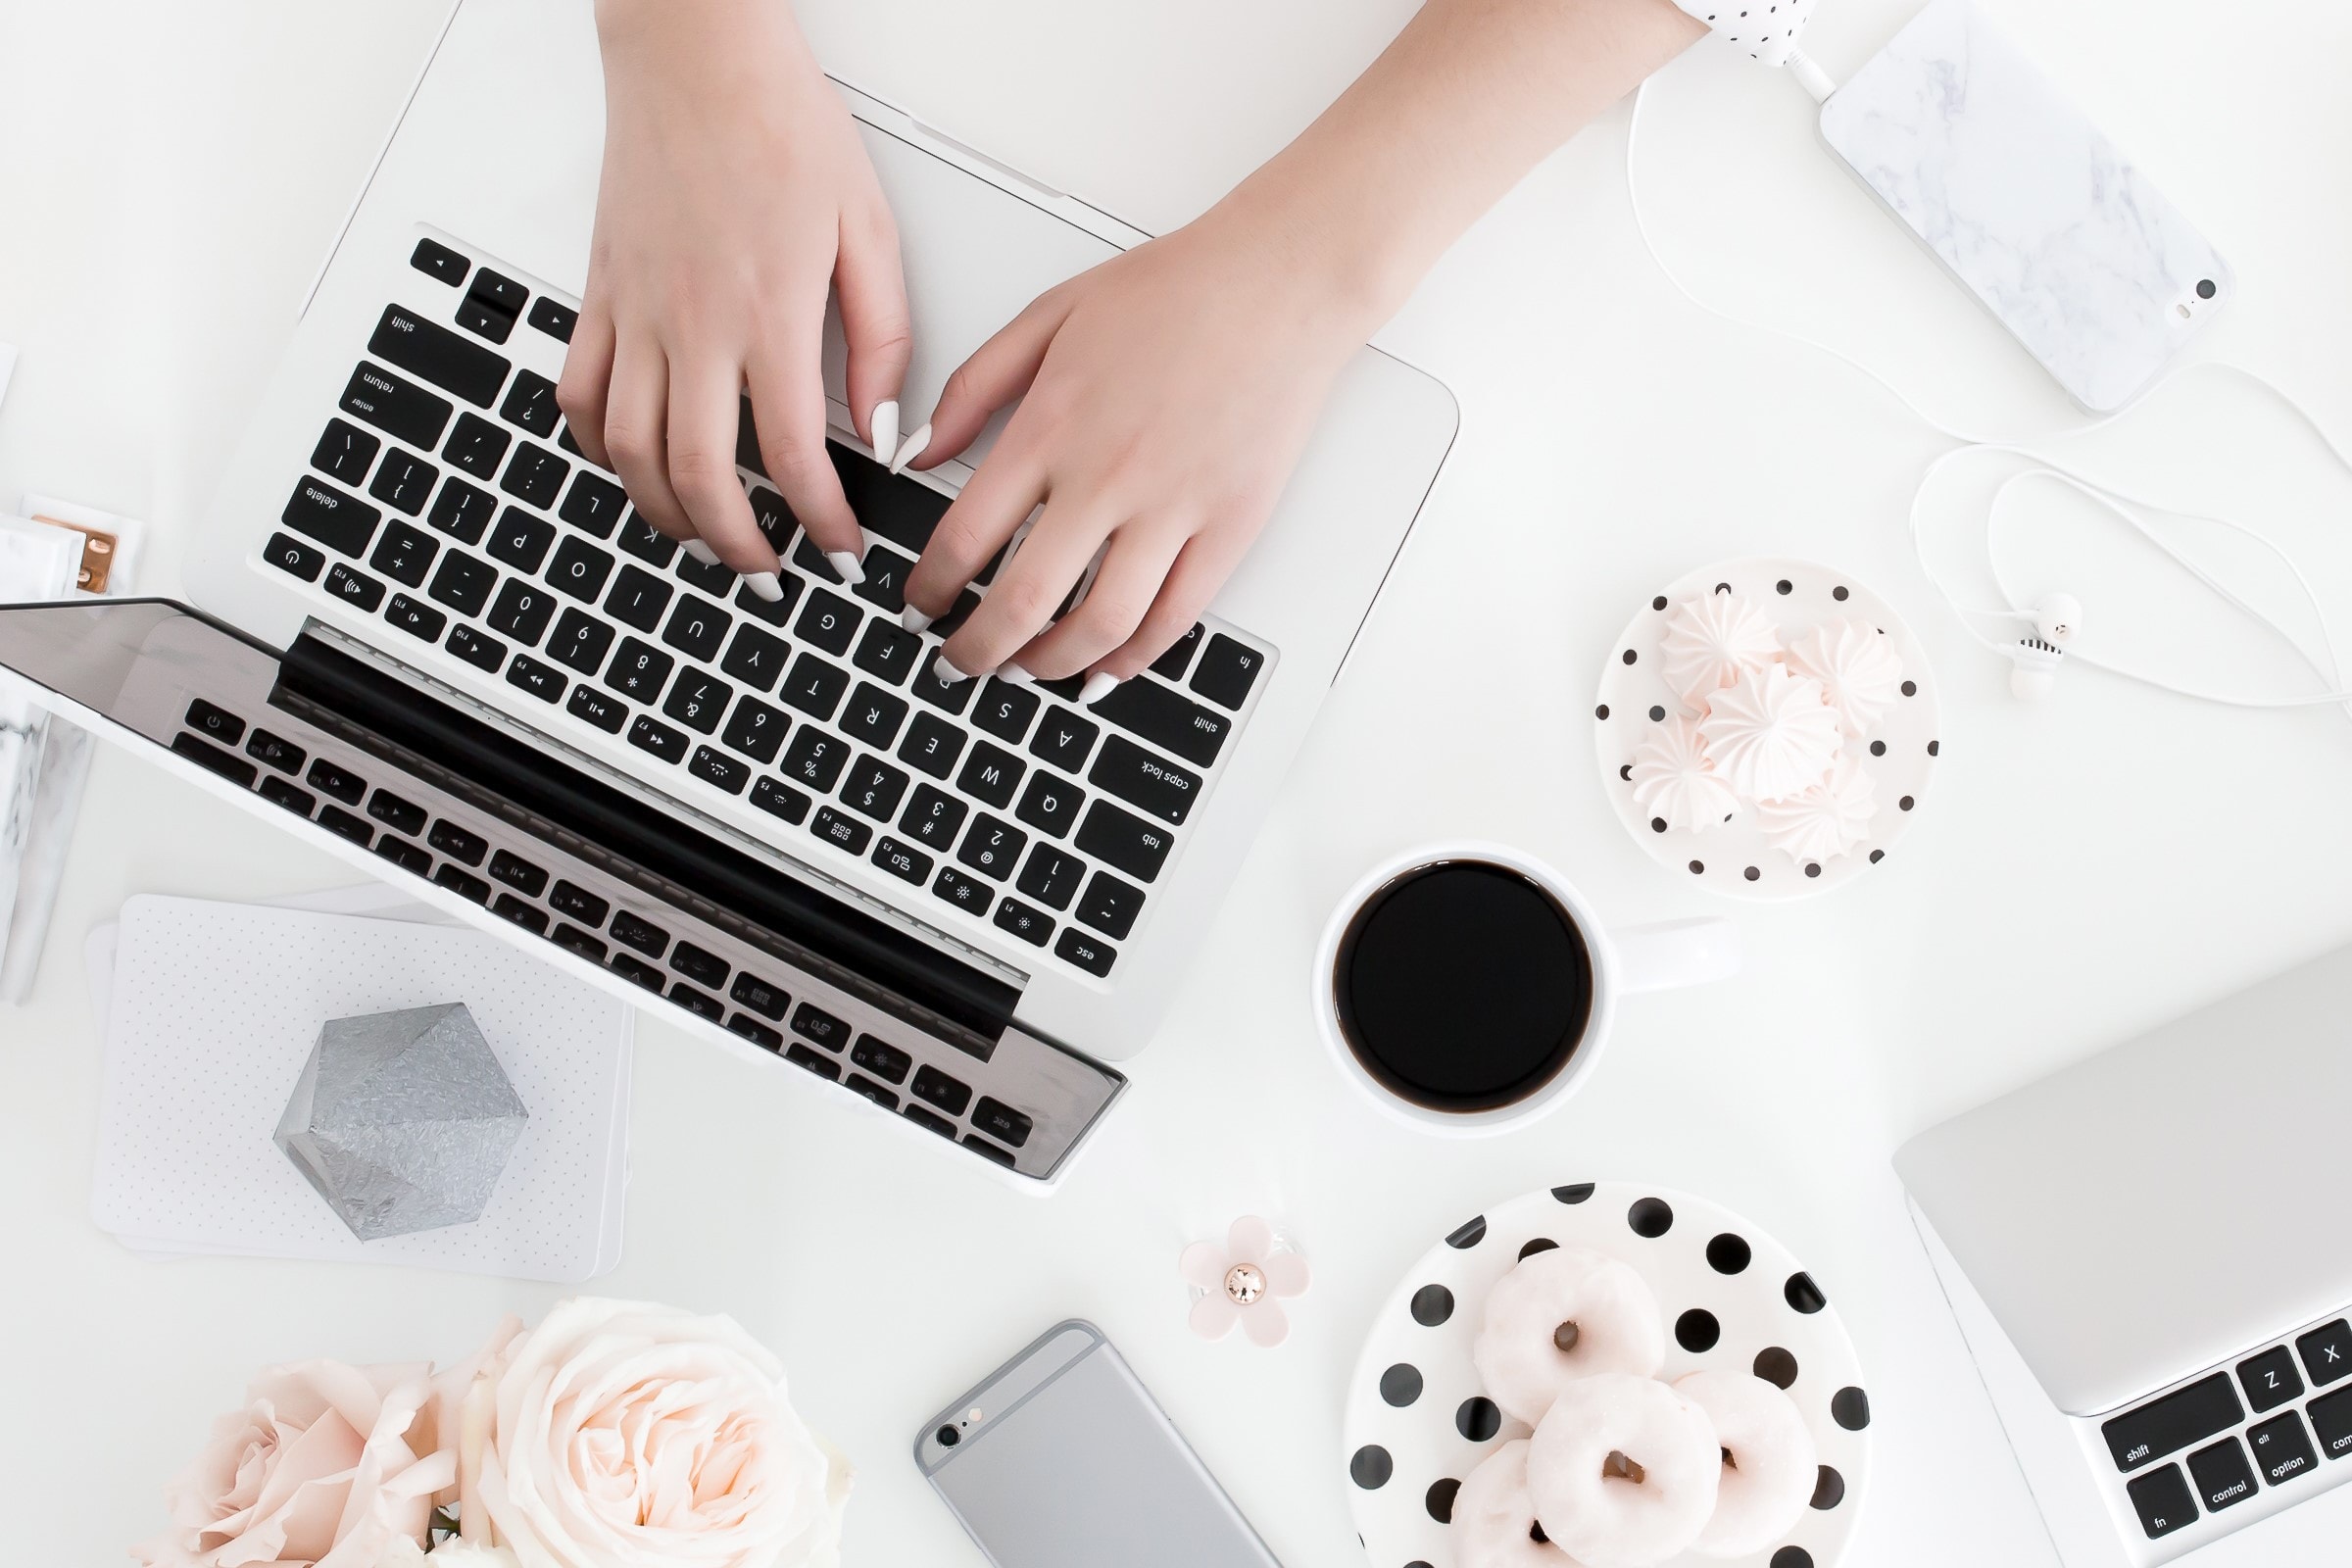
{"x":1168,"y":393}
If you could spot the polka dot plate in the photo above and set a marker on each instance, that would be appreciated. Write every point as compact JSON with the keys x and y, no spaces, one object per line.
{"x":1732,"y":857}
{"x":1418,"y":1419}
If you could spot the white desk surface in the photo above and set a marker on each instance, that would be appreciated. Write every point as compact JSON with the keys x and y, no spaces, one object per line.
{"x":172,"y":174}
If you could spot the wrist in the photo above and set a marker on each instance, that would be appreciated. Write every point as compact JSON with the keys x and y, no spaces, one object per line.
{"x":1345,"y":276}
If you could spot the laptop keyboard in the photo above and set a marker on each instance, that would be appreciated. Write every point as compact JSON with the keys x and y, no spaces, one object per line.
{"x":445,"y":499}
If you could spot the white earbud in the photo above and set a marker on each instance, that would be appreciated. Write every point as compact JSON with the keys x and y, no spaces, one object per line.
{"x":2034,"y":670}
{"x":2057,"y":619}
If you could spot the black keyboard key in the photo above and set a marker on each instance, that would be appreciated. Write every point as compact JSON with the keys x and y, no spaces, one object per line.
{"x":399,"y":408}
{"x":499,"y":292}
{"x":699,"y":700}
{"x":717,"y":579}
{"x":462,"y":512}
{"x":600,"y":707}
{"x":485,"y":654}
{"x":2173,"y":1422}
{"x":697,"y":629}
{"x":334,"y":782}
{"x":1154,"y":784}
{"x":1110,"y":906}
{"x":556,"y":320}
{"x":205,"y":755}
{"x":581,"y":642}
{"x":578,"y":903}
{"x":842,"y":832}
{"x":2223,"y":1477}
{"x":594,"y":504}
{"x":756,"y":730}
{"x":531,"y":404}
{"x":438,"y":261}
{"x":518,"y":873}
{"x":292,"y":555}
{"x":755,"y":658}
{"x":638,"y":598}
{"x":463,"y":584}
{"x":973,"y":897}
{"x":580,"y":568}
{"x":405,"y":482}
{"x":1228,"y":670}
{"x":571,"y":939}
{"x":948,"y":624}
{"x":757,"y":1033}
{"x":990,"y":773}
{"x":884,"y":1060}
{"x":640,"y":670}
{"x":936,"y":1088}
{"x":638,"y":972}
{"x":902,"y":861}
{"x":431,"y":351}
{"x":930,"y":1123}
{"x":408,"y":856}
{"x":652,"y":735}
{"x":215,"y":722}
{"x":521,"y":611}
{"x":874,"y":789}
{"x":865,"y":1087}
{"x":949,"y":696}
{"x":638,"y":538}
{"x":828,"y":620}
{"x":1006,"y":709}
{"x":2332,"y":1418}
{"x":275,"y":752}
{"x":814,"y":687}
{"x":1052,"y":876}
{"x":750,"y":991}
{"x":2281,"y":1449}
{"x":530,"y":675}
{"x":343,"y":523}
{"x":774,"y":612}
{"x":885,"y":582}
{"x":355,"y":587}
{"x":477,"y":446}
{"x":1050,"y":804}
{"x":416,"y":619}
{"x":457,"y":843}
{"x":1063,"y":738}
{"x":815,"y":758}
{"x":2162,"y":1500}
{"x":1124,"y":841}
{"x":888,"y":649}
{"x":873,"y":716}
{"x":932,"y":818}
{"x":814,"y":1023}
{"x":404,"y":555}
{"x":702,"y":967}
{"x":780,"y":799}
{"x":634,"y":931}
{"x":463,"y":885}
{"x":1002,"y":1122}
{"x":485,"y":321}
{"x":343,"y":825}
{"x":344,"y":452}
{"x":895,"y":506}
{"x":719,"y":770}
{"x":2327,"y":1353}
{"x":823,"y":1066}
{"x":529,"y":916}
{"x":932,"y":745}
{"x":992,"y":847}
{"x":522,"y":540}
{"x":1077,"y":947}
{"x":400,"y":816}
{"x":1166,"y":718}
{"x":2270,"y":1379}
{"x":1032,"y":926}
{"x":1171,"y":665}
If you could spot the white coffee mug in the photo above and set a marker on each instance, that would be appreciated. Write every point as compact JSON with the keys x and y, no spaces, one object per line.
{"x":1649,"y":958}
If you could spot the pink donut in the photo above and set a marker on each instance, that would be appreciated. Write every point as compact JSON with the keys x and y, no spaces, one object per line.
{"x":1769,"y":1463}
{"x":1622,"y":1471}
{"x":1563,"y":1314}
{"x":1494,"y":1521}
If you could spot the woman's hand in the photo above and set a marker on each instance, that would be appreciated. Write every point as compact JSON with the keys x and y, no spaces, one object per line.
{"x":1168,"y":393}
{"x":734,"y":194}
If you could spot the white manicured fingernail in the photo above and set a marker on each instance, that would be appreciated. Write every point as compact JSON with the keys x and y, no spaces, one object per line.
{"x":1014,"y":675}
{"x":884,"y":422}
{"x":766,"y":585}
{"x":702,"y":552}
{"x":912,"y":449}
{"x":1097,"y":686}
{"x":945,"y":674}
{"x":914,"y":619}
{"x":847,"y":565}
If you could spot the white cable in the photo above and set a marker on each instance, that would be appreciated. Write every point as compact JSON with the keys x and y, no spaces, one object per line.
{"x":2327,"y":666}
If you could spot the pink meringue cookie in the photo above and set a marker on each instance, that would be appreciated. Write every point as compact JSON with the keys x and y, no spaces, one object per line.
{"x":1673,"y":781}
{"x":1857,"y":666}
{"x":1827,"y":820}
{"x":1772,"y":735}
{"x":1711,"y":641}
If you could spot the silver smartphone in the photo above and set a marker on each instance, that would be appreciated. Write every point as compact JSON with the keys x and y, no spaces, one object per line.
{"x":1062,"y":1460}
{"x":2039,"y":215}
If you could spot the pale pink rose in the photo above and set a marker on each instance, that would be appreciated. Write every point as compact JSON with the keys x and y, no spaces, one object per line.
{"x":326,"y":1465}
{"x":627,"y":1436}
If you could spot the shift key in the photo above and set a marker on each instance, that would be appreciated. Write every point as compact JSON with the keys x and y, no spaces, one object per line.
{"x":1165,"y":717}
{"x":2169,"y":1424}
{"x":434,"y":352}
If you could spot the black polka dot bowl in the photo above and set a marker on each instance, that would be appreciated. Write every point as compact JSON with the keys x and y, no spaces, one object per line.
{"x":1419,"y":1421}
{"x":1732,"y":858}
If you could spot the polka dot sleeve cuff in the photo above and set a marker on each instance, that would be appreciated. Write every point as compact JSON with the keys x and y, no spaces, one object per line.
{"x":1765,"y":28}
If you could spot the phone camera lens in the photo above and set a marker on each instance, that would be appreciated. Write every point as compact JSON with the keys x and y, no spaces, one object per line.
{"x":2205,"y":288}
{"x":949,"y":1437}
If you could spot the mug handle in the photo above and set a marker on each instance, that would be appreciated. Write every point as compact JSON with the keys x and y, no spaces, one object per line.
{"x":1676,"y":953}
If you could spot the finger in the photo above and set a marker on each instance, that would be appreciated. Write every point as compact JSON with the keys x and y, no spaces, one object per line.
{"x":587,"y":376}
{"x":787,"y":405}
{"x":999,"y":371}
{"x":637,"y":430}
{"x":1031,"y":587}
{"x":997,"y":500}
{"x":1200,"y":570}
{"x":706,"y":410}
{"x":1124,"y":590}
{"x":875,"y":324}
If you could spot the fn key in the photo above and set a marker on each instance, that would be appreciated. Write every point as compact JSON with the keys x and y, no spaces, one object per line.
{"x":2161,"y":1499}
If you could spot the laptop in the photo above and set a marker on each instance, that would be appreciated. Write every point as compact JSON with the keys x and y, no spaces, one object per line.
{"x":2145,"y":1253}
{"x":427,"y":634}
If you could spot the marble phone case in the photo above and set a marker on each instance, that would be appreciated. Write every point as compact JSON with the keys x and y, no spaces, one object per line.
{"x":2013,"y":188}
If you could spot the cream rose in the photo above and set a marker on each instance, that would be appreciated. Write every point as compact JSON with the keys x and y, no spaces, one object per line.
{"x":326,"y":1465}
{"x":619,"y":1435}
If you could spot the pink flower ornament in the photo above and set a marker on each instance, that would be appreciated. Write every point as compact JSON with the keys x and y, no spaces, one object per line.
{"x":1244,"y":1282}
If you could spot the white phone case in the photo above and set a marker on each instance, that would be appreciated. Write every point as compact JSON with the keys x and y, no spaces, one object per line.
{"x":2026,"y":203}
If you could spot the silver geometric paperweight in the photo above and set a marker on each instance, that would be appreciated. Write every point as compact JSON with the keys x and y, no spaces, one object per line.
{"x":403,"y":1120}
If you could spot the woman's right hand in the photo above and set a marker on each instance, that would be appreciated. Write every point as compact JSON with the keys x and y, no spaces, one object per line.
{"x":735,"y":194}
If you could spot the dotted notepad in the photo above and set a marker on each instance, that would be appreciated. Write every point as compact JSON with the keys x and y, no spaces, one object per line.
{"x":214,"y":1009}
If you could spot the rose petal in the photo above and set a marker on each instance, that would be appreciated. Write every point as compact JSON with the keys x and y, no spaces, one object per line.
{"x":1214,"y":1316}
{"x":1251,"y":1239}
{"x":1286,"y":1274}
{"x":1202,"y":1264}
{"x":1265,"y":1322}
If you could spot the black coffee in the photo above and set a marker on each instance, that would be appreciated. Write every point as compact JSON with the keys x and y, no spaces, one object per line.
{"x":1462,"y":985}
